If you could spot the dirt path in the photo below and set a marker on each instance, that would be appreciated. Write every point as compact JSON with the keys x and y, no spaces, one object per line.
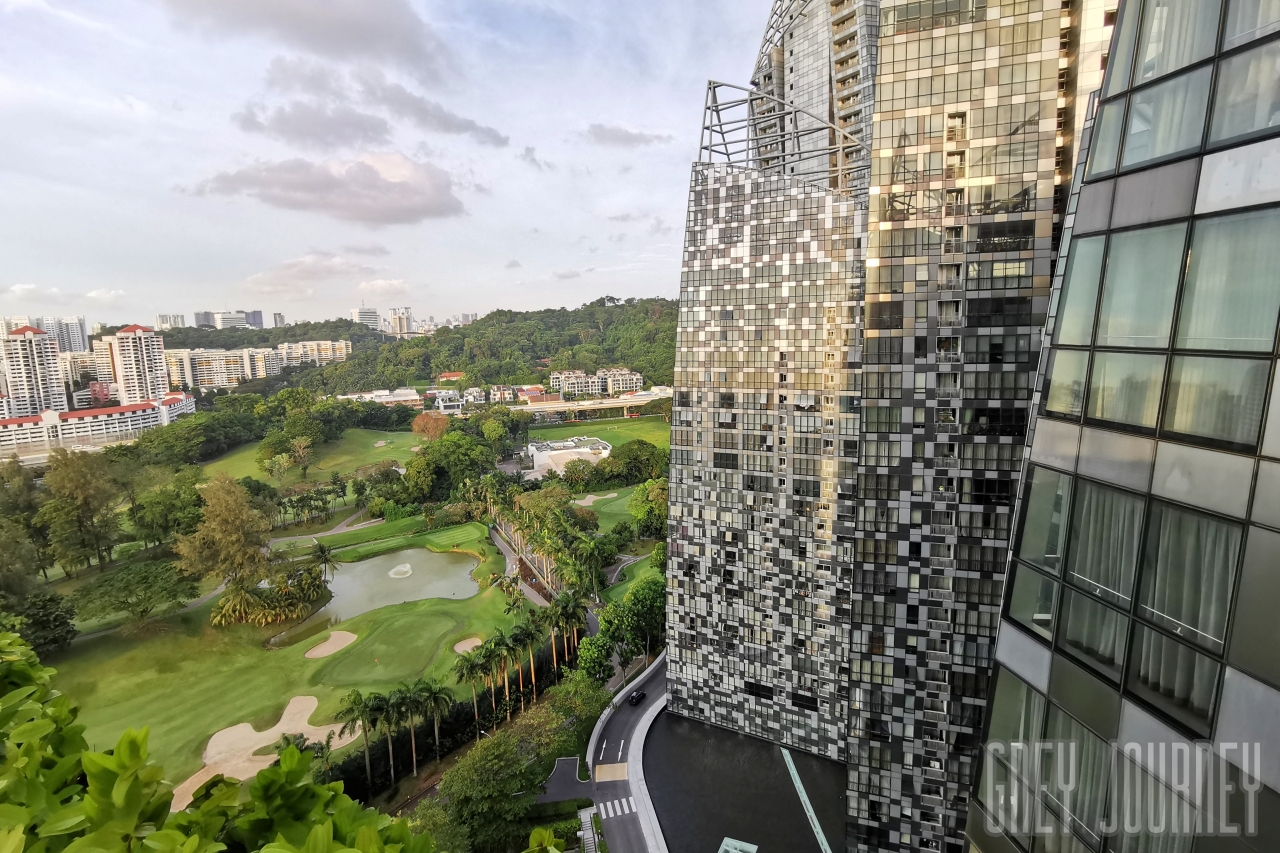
{"x":230,"y":752}
{"x":341,"y":527}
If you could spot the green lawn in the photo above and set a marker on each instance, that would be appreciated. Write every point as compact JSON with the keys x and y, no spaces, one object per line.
{"x":187,"y":680}
{"x":630,"y":575}
{"x":653,"y":429}
{"x":611,"y":510}
{"x":340,"y":514}
{"x":353,"y":451}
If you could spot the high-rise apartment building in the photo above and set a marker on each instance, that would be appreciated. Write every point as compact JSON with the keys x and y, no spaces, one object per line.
{"x":133,"y":360}
{"x":367,"y":317}
{"x":70,"y":333}
{"x":253,"y":319}
{"x":202,"y":318}
{"x":402,"y":322}
{"x":1139,"y":629}
{"x":277,"y":320}
{"x":32,"y":378}
{"x":230,"y":320}
{"x":318,"y":353}
{"x":867,"y":267}
{"x":165,"y":322}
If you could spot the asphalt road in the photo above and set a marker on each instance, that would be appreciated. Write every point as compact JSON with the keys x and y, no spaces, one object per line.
{"x":614,"y":799}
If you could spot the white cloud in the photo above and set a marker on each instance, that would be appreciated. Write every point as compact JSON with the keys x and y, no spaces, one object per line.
{"x":19,"y":289}
{"x":375,"y":189}
{"x":371,"y":249}
{"x":565,"y":275}
{"x":426,"y":114}
{"x":513,"y":264}
{"x":620,"y":137}
{"x":384,"y":288}
{"x":294,"y":279}
{"x":530,"y":156}
{"x":105,"y":296}
{"x":314,"y":125}
{"x":370,"y":30}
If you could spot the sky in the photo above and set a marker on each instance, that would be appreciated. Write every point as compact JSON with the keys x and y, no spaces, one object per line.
{"x":307,"y":156}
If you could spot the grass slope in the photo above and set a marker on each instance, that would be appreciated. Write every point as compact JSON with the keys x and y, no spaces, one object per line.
{"x":653,"y":429}
{"x":187,"y":680}
{"x":353,"y":451}
{"x":630,"y":575}
{"x":612,"y":510}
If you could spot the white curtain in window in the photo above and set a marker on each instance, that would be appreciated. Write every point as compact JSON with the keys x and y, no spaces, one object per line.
{"x":1231,"y":298}
{"x":1187,"y":574}
{"x":1181,"y":677}
{"x":1096,"y":631}
{"x":1166,"y":119}
{"x":1142,"y":281}
{"x":1175,"y":33}
{"x":1083,"y":796}
{"x":1218,"y":398}
{"x":1250,"y":19}
{"x":1248,"y":97}
{"x":1150,"y":816}
{"x":1105,"y":527}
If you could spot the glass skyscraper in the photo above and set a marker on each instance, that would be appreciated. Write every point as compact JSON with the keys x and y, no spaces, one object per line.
{"x":1139,"y":635}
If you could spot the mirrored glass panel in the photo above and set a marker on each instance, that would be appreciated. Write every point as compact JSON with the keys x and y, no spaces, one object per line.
{"x":1248,"y":95}
{"x":1106,"y":138}
{"x":1106,"y":528}
{"x":1175,"y":33}
{"x":1125,"y":388}
{"x":1166,"y":119}
{"x":1120,"y":62}
{"x":1174,"y":677}
{"x":1065,"y":392}
{"x":1080,"y":291}
{"x":1142,"y":284}
{"x":1188,"y":573}
{"x":1032,"y":601}
{"x":1220,"y":399}
{"x":1044,"y":519}
{"x":1075,"y":770}
{"x":1093,"y":632}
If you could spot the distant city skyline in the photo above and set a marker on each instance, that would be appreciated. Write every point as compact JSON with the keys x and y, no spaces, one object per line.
{"x":235,"y":178}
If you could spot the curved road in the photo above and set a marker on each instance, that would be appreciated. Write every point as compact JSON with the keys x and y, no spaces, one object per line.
{"x":613,"y":797}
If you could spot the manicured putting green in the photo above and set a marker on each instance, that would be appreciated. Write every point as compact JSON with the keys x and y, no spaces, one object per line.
{"x":356,"y":449}
{"x":653,"y":429}
{"x":611,"y":510}
{"x":630,"y":575}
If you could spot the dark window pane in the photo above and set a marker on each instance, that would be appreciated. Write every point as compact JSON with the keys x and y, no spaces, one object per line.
{"x":1142,"y":280}
{"x":1217,"y":398}
{"x":1085,"y":761}
{"x":1094,"y":632}
{"x":1032,"y":601}
{"x":1231,"y":298}
{"x":1125,"y":388}
{"x":1188,"y":572}
{"x":1105,"y":528}
{"x":1175,"y":677}
{"x":1043,"y":523}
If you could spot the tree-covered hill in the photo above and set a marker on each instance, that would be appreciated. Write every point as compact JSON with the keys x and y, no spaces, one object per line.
{"x":326,"y":330}
{"x":517,"y":347}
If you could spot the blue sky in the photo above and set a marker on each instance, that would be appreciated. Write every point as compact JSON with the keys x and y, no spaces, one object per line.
{"x":303,"y":155}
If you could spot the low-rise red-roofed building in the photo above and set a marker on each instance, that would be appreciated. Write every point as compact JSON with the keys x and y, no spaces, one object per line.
{"x":91,"y":426}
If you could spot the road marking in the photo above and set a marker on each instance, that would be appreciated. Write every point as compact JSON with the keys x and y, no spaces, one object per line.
{"x":605,"y":808}
{"x":602,"y":746}
{"x":624,"y":741}
{"x":632,"y":800}
{"x":804,"y":801}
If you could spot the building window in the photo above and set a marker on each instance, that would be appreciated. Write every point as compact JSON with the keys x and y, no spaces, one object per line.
{"x":1248,"y":95}
{"x":1125,"y":388}
{"x":1248,"y":20}
{"x":1175,"y":33}
{"x":1188,"y":574}
{"x":1080,"y":291}
{"x":1219,"y":399}
{"x":1065,"y":393}
{"x":1032,"y":601}
{"x":1044,"y":519}
{"x":1231,"y":299}
{"x":1093,"y":632}
{"x":1141,"y":285}
{"x":1167,"y":119}
{"x":1105,"y":529}
{"x":1174,"y":677}
{"x":1105,"y":149}
{"x":1085,"y":799}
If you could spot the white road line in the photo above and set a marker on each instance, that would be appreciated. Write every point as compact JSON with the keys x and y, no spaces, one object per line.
{"x":632,"y":801}
{"x":601,"y":758}
{"x":625,"y":808}
{"x":624,"y":742}
{"x":604,"y":811}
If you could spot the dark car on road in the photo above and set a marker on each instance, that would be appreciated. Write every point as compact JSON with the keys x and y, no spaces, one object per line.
{"x":636,"y":698}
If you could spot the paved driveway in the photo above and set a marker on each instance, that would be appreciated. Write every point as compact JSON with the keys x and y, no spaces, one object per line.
{"x":612,"y":795}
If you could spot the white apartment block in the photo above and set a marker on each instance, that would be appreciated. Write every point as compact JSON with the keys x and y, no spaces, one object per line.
{"x":260,"y":362}
{"x":93,"y":426}
{"x":574,"y":382}
{"x":134,"y":360}
{"x":230,"y":320}
{"x":367,"y":317}
{"x":319,"y":353}
{"x":30,"y":373}
{"x":619,"y":380}
{"x":399,"y":397}
{"x":474,"y":395}
{"x":402,"y":322}
{"x":70,"y":333}
{"x":610,"y":381}
{"x":205,"y":368}
{"x":449,"y":402}
{"x":76,"y":364}
{"x":165,"y":322}
{"x":502,"y":394}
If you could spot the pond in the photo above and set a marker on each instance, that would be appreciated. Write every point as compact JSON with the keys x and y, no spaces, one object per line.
{"x":408,"y":575}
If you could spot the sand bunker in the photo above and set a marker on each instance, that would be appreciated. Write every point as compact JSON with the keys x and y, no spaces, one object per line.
{"x":590,"y":499}
{"x":337,"y":641}
{"x":231,"y":751}
{"x":415,"y":448}
{"x":401,"y":571}
{"x":379,"y":444}
{"x":467,"y":645}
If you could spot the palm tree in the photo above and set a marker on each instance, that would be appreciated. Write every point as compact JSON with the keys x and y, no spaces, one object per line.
{"x":490,"y":656}
{"x":502,"y":651}
{"x":405,"y":699}
{"x":469,"y":667}
{"x":323,"y":558}
{"x":523,"y":635}
{"x":357,"y":715}
{"x":573,"y":615}
{"x":436,"y":700}
{"x":387,"y":718}
{"x":509,"y":585}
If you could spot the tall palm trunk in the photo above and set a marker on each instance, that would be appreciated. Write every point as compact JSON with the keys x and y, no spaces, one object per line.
{"x":555,"y":663}
{"x":506,"y":687}
{"x":475,"y":706}
{"x":413,"y":745}
{"x":436,"y":719}
{"x":391,"y":757}
{"x":520,"y":667}
{"x":368,"y":765}
{"x":533,"y":674}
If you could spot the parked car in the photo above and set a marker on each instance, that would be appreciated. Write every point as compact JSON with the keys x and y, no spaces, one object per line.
{"x":636,"y":698}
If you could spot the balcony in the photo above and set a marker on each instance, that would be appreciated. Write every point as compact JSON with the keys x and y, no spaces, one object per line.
{"x":942,"y":562}
{"x":951,"y":321}
{"x":946,"y":462}
{"x":950,"y":357}
{"x":941,"y":530}
{"x":937,"y":625}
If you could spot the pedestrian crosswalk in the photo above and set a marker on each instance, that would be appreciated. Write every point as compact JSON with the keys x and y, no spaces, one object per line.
{"x":617,"y":808}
